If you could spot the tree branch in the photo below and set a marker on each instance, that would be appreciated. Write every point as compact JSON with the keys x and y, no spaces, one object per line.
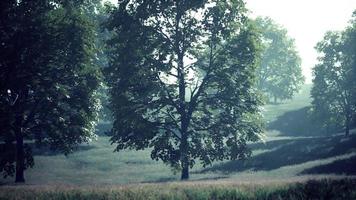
{"x":173,"y":103}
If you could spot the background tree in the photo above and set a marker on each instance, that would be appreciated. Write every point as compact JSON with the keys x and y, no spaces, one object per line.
{"x":350,"y":59}
{"x":47,"y":80}
{"x":157,"y":52}
{"x":333,"y":91}
{"x":98,"y":14}
{"x":279,"y":72}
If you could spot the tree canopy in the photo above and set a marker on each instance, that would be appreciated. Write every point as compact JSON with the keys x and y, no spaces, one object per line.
{"x":47,"y":80}
{"x":279,"y":73}
{"x":181,"y":77}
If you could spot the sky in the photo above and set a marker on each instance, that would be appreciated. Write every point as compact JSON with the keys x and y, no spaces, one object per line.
{"x":306,"y":21}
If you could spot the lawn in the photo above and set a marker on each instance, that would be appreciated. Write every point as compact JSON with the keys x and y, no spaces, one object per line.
{"x":281,"y":156}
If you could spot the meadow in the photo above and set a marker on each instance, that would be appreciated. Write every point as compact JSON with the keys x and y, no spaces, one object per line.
{"x":291,"y":162}
{"x":314,"y":189}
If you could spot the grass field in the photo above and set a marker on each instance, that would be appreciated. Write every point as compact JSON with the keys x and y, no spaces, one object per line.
{"x":287,"y":154}
{"x":314,"y":189}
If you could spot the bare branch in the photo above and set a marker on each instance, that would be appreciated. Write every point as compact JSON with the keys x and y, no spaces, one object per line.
{"x":170,"y":130}
{"x":173,"y":119}
{"x":173,"y":103}
{"x":159,"y":30}
{"x":171,"y":74}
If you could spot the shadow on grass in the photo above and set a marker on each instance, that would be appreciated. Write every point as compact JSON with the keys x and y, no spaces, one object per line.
{"x":299,"y":123}
{"x":344,"y":166}
{"x":279,"y":153}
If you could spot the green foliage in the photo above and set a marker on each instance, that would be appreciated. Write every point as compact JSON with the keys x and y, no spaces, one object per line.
{"x":206,"y":109}
{"x":47,"y":79}
{"x":334,"y":101}
{"x":279,"y":73}
{"x":350,"y":48}
{"x":98,"y":15}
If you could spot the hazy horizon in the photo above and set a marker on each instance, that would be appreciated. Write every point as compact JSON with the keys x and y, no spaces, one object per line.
{"x":307,"y":25}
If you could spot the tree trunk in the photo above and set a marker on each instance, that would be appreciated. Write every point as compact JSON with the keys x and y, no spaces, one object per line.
{"x":347,"y":120}
{"x":184,"y":157}
{"x":185,"y":167}
{"x":184,"y":154}
{"x":347,"y":126}
{"x":20,"y":156}
{"x":275,"y":100}
{"x":185,"y":172}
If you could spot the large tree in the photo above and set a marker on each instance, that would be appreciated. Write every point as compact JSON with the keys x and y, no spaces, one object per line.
{"x":47,"y":80}
{"x":181,"y":77}
{"x":279,"y":72}
{"x":334,"y":89}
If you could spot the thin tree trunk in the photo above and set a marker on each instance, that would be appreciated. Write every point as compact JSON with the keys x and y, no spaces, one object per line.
{"x":20,"y":156}
{"x":347,"y":120}
{"x":347,"y":126}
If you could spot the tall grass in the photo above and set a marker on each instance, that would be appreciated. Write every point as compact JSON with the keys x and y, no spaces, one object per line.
{"x":322,"y":189}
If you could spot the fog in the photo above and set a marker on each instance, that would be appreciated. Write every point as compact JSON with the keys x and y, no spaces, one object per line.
{"x":306,"y":22}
